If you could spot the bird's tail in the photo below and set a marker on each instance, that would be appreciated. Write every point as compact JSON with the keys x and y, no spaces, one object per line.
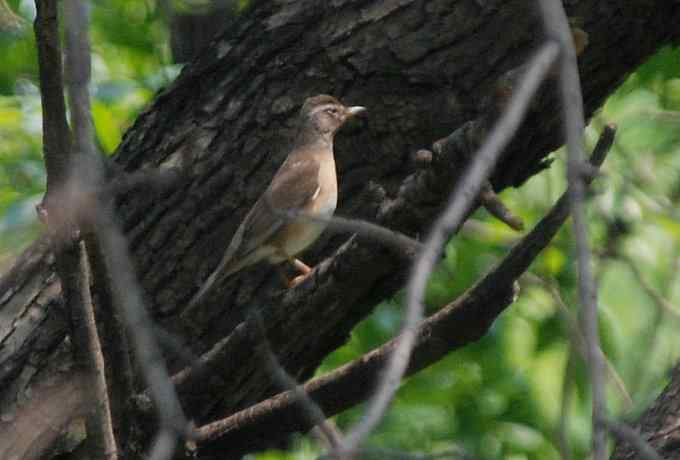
{"x":222,"y":271}
{"x":227,"y":267}
{"x":198,"y":298}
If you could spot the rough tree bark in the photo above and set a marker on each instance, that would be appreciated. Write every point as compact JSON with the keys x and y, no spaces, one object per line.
{"x":659,"y":425}
{"x":421,"y":67}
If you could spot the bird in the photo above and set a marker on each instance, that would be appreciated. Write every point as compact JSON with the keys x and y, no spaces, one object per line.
{"x":275,"y":228}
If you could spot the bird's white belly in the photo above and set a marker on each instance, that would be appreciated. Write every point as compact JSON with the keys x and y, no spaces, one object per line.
{"x":303,"y":232}
{"x":297,"y":235}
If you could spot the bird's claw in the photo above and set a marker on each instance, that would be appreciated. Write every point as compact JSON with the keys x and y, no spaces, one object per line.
{"x":297,"y":280}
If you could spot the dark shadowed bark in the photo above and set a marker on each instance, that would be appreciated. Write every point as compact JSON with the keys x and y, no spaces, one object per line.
{"x":659,"y":425}
{"x":191,"y":28}
{"x":423,"y":68}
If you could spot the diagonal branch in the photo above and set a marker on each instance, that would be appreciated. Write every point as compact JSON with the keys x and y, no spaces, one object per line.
{"x":56,"y":134}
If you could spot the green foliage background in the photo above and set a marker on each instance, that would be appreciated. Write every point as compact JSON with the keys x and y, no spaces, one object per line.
{"x":502,"y":397}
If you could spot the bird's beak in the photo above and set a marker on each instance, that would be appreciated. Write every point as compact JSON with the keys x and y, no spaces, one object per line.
{"x":352,"y":112}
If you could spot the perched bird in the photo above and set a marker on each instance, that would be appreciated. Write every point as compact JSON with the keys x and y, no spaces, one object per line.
{"x":305,"y":182}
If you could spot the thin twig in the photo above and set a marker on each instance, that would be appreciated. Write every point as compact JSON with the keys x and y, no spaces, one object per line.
{"x":667,"y":430}
{"x":493,"y":204}
{"x":114,"y":343}
{"x":99,"y":424}
{"x":462,"y":197}
{"x":664,"y":311}
{"x":557,"y":27}
{"x":164,"y":444}
{"x":578,"y":340}
{"x":664,"y":305}
{"x":404,"y":245}
{"x":565,"y":405}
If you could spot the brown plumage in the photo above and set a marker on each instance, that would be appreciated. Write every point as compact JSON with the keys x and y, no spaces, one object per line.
{"x":306,"y":182}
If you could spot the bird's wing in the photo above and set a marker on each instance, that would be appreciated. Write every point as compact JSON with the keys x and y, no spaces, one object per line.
{"x":294,"y":185}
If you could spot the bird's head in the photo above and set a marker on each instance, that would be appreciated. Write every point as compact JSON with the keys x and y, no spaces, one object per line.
{"x":325,"y":114}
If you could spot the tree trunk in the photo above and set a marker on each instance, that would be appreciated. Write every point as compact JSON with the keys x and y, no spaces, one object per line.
{"x":423,"y":68}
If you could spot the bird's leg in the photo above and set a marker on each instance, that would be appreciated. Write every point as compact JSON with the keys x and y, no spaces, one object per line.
{"x":301,"y":267}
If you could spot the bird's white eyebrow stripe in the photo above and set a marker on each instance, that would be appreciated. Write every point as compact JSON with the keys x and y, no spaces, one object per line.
{"x":322,"y":107}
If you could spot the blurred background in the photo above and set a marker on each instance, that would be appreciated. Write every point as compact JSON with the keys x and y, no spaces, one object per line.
{"x":522,"y":391}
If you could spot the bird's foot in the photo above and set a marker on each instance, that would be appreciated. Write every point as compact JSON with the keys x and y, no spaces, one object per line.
{"x":298,"y":279}
{"x":301,"y":267}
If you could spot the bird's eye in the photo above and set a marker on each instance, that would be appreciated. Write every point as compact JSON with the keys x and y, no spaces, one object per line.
{"x":332,"y":111}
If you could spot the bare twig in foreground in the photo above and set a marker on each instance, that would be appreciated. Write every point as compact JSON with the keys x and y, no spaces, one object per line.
{"x":100,"y":435}
{"x":565,"y":405}
{"x":664,"y":305}
{"x":557,"y":27}
{"x":164,"y":444}
{"x":578,"y":341}
{"x":403,"y":245}
{"x":462,"y":197}
{"x":100,"y":432}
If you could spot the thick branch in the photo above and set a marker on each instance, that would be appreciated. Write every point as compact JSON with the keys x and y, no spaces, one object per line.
{"x":56,"y":134}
